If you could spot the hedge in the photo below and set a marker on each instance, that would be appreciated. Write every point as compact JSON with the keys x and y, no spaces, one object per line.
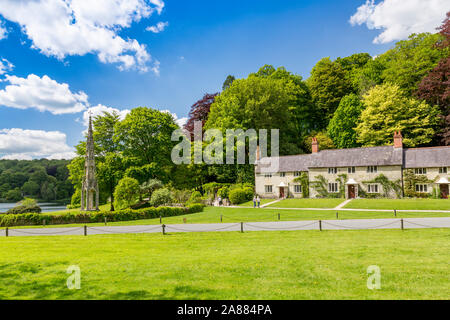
{"x":31,"y":219}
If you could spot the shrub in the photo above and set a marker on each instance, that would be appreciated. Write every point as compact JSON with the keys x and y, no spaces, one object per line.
{"x":196,"y":197}
{"x":127,"y":193}
{"x":238,"y":196}
{"x":223,"y":192}
{"x":181,"y":196}
{"x":24,"y":209}
{"x":14,"y":195}
{"x":25,"y":219}
{"x":161,"y":197}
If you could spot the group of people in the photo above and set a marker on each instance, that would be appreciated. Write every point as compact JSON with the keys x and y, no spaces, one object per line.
{"x":256,"y":201}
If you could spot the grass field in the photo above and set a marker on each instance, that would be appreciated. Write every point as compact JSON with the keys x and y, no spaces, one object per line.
{"x":212,"y":215}
{"x":250,"y":203}
{"x":400,"y":204}
{"x":308,"y":203}
{"x":257,"y":265}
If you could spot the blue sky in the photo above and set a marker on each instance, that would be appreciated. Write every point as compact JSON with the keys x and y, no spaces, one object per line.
{"x":203,"y":43}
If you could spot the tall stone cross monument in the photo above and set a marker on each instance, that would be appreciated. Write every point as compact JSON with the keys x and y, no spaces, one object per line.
{"x":89,"y":190}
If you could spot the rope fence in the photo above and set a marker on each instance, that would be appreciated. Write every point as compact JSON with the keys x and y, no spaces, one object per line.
{"x":242,"y":227}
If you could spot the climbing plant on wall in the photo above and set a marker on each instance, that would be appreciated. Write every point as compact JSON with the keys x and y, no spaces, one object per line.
{"x":304,"y":182}
{"x":388,"y":185}
{"x":411,"y":180}
{"x":321,"y":186}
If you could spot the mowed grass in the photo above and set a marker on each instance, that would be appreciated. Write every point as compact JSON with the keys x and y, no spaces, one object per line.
{"x":250,"y":203}
{"x":230,"y":265}
{"x":231,"y":215}
{"x":400,"y":204}
{"x":308,"y":203}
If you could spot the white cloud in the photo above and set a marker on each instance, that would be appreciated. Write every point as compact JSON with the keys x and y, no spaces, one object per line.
{"x":31,"y":144}
{"x":180,"y":121}
{"x":43,"y":94}
{"x":5,"y":66}
{"x":160,"y":26}
{"x":399,"y":18}
{"x":99,"y":110}
{"x":3,"y":32}
{"x":63,"y":28}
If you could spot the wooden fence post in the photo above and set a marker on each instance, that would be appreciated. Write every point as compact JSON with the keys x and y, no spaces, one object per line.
{"x":279,"y":217}
{"x":7,"y":231}
{"x":337,"y":215}
{"x":320,"y":225}
{"x":85,"y":230}
{"x":221,"y":218}
{"x":242,"y":227}
{"x":402,"y":225}
{"x":395,"y":213}
{"x":164,"y":229}
{"x":160,"y":219}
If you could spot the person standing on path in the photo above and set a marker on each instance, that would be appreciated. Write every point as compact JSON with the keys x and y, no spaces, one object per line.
{"x":254,"y":201}
{"x":258,"y":200}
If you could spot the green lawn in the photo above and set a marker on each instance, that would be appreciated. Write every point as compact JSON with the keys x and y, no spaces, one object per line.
{"x":255,"y":265}
{"x":308,"y":203}
{"x":400,"y":204}
{"x":212,"y":215}
{"x":250,"y":203}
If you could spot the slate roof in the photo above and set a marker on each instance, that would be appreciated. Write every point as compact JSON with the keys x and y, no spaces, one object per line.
{"x":427,"y":157}
{"x":355,"y":157}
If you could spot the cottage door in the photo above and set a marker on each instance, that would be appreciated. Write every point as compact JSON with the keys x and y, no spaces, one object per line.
{"x":444,"y":191}
{"x":281,"y":192}
{"x":351,"y":192}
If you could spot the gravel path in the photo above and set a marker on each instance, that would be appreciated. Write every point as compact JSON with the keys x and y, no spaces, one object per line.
{"x":351,"y":224}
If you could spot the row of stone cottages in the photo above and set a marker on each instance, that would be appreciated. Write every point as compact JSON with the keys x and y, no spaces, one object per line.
{"x":388,"y":171}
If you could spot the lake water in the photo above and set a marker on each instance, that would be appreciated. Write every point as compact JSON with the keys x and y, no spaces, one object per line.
{"x":46,"y":207}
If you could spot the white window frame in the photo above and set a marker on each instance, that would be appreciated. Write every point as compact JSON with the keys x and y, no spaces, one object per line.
{"x":351,"y":170}
{"x":333,"y":187}
{"x":297,"y":188}
{"x":268,"y":189}
{"x":420,"y":171}
{"x":422,"y":188}
{"x":297,"y":174}
{"x":372,"y":169}
{"x":332,"y":170}
{"x":267,"y":175}
{"x":373,"y":188}
{"x":443,"y":170}
{"x":282,"y":174}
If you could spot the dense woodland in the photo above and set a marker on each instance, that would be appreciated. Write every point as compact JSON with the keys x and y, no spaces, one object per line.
{"x":346,"y":102}
{"x":45,"y":180}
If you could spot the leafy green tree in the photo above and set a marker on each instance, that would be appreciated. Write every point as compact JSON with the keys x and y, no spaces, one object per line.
{"x":389,"y":109}
{"x":329,"y":83}
{"x":126,"y":193}
{"x":30,"y":188}
{"x":341,"y":128}
{"x":228,"y":82}
{"x":14,"y":195}
{"x":264,"y":101}
{"x":145,"y":134}
{"x":109,"y":171}
{"x":323,"y":139}
{"x":411,"y":60}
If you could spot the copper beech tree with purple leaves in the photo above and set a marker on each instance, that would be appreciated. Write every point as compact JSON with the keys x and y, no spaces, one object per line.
{"x":435,"y":87}
{"x":199,"y":112}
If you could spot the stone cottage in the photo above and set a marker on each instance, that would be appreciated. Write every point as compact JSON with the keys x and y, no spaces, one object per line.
{"x":387,"y":171}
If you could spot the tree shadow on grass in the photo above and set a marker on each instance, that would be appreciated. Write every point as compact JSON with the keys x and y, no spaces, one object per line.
{"x":179,"y":292}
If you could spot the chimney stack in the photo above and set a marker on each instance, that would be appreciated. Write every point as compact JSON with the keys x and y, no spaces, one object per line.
{"x":398,"y":139}
{"x":258,"y":154}
{"x":315,"y":145}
